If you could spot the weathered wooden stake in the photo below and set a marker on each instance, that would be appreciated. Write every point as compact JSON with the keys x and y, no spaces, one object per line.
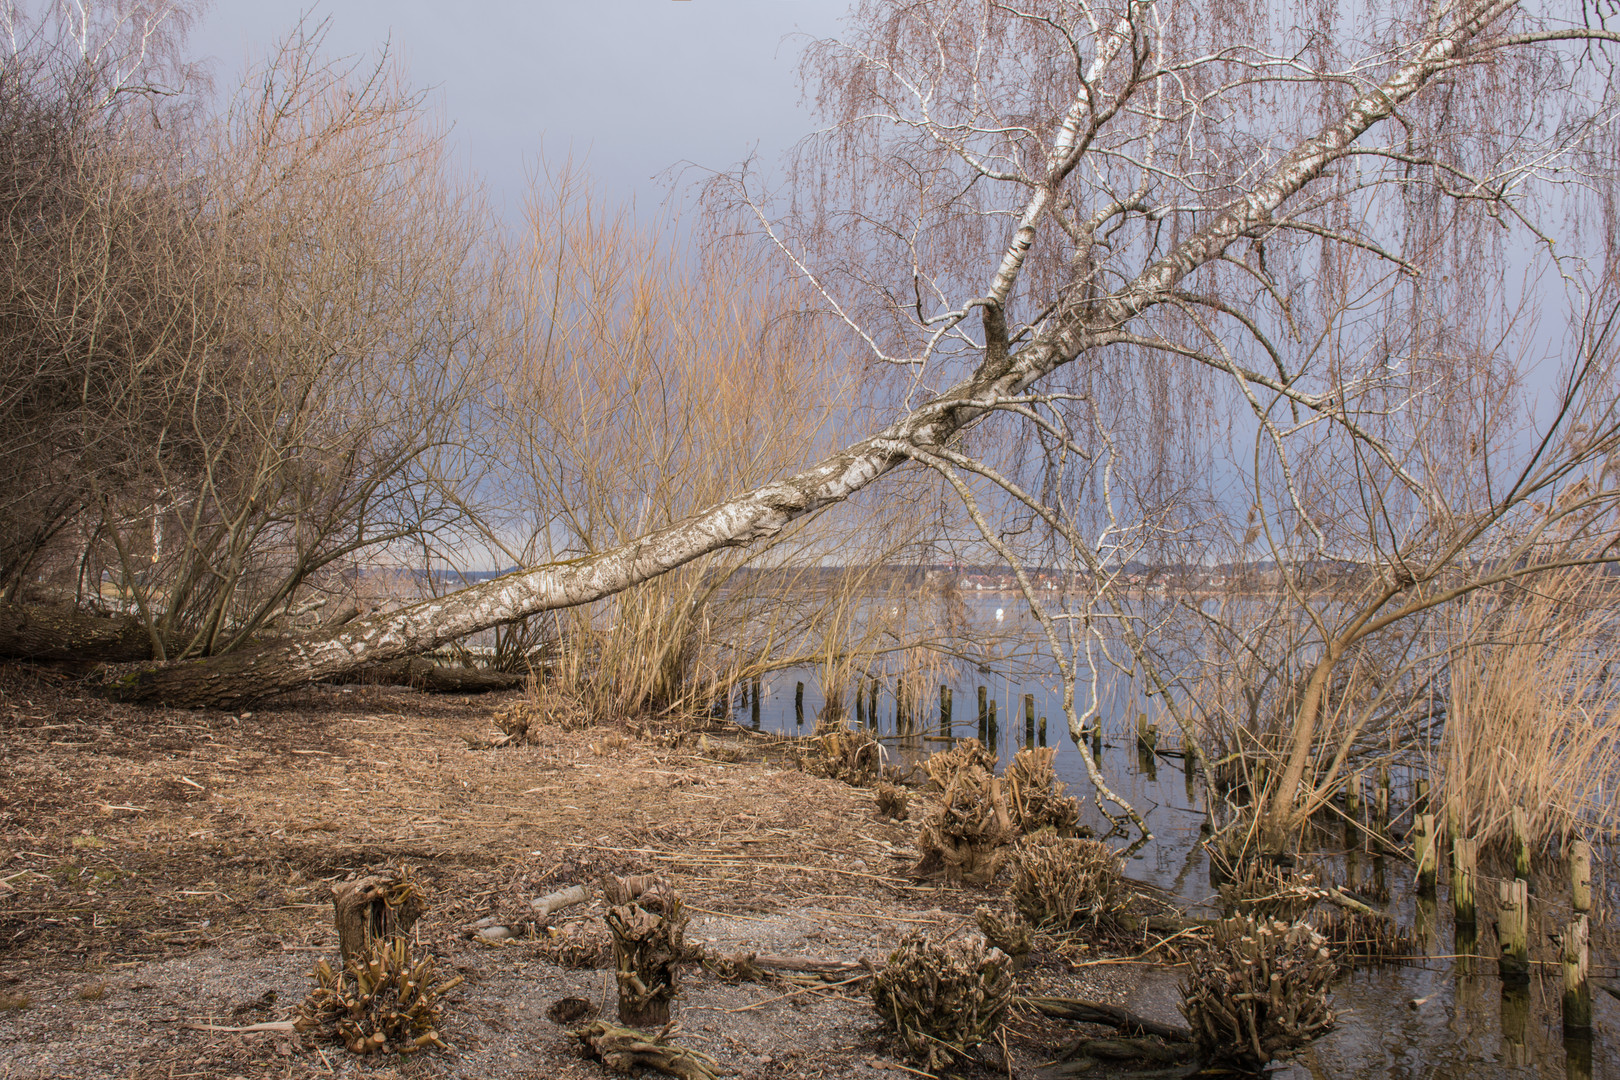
{"x":1513,"y":929}
{"x":993,"y":737}
{"x":1428,"y":855}
{"x":945,"y":710}
{"x":1577,"y":988}
{"x":984,"y":718}
{"x":1464,"y":857}
{"x":901,"y":717}
{"x":1041,"y":732}
{"x":798,"y":704}
{"x":1352,"y":798}
{"x":753,"y":705}
{"x":1420,"y":802}
{"x":1381,"y":807}
{"x":1029,"y":721}
{"x":1580,"y":875}
{"x":871,"y":704}
{"x":1520,"y":825}
{"x":1515,"y":1023}
{"x":1147,"y":735}
{"x":860,"y":704}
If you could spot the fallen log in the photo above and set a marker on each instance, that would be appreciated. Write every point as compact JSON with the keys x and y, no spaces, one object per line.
{"x":424,"y":674}
{"x":37,"y":632}
{"x":1095,"y":1012}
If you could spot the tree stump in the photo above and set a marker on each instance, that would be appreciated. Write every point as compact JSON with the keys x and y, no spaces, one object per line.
{"x":375,"y":909}
{"x":648,"y":925}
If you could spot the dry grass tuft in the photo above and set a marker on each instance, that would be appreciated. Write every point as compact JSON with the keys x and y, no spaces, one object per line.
{"x":543,"y":707}
{"x":1066,"y":884}
{"x":91,"y":991}
{"x":380,"y":1002}
{"x":578,"y":945}
{"x":10,"y":1002}
{"x":1035,"y":795}
{"x":853,"y":757}
{"x":1256,"y":990}
{"x":943,"y":1000}
{"x":1533,"y":718}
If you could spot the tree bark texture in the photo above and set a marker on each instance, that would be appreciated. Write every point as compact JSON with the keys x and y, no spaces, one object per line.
{"x":1082,"y":325}
{"x":34,"y":632}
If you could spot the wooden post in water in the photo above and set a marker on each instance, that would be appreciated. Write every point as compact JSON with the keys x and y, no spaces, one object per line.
{"x":1464,"y":857}
{"x":1420,"y":801}
{"x":1428,"y":855}
{"x":860,"y":704}
{"x":753,"y":704}
{"x":984,"y":718}
{"x":1147,"y":735}
{"x":1513,"y":929}
{"x":1381,"y":807}
{"x":871,"y":704}
{"x":1520,"y":825}
{"x":944,"y":710}
{"x":798,"y":704}
{"x":1352,"y":798}
{"x":1577,"y":988}
{"x":1580,"y":875}
{"x":1041,"y":731}
{"x":902,"y":721}
{"x":1029,"y":721}
{"x":1515,"y":1016}
{"x":993,"y":740}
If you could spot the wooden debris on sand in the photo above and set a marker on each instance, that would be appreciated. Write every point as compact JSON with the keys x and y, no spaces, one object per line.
{"x":625,"y":1050}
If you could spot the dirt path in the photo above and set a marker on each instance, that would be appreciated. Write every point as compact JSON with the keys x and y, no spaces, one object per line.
{"x":160,"y":868}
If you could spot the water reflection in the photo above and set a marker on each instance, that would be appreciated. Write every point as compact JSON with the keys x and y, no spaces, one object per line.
{"x":1448,"y":1017}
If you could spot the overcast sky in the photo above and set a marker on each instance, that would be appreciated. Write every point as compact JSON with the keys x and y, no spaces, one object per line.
{"x":639,"y":85}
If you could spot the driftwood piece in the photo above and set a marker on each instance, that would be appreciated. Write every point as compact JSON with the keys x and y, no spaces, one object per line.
{"x":624,"y":1050}
{"x":563,"y":898}
{"x":648,"y":926}
{"x":740,"y":967}
{"x":375,"y":909}
{"x":1095,"y":1012}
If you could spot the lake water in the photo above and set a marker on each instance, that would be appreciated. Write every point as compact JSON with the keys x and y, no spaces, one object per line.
{"x":1441,"y":1018}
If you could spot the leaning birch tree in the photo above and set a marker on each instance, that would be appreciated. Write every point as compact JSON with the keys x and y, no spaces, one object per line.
{"x":1085,"y":250}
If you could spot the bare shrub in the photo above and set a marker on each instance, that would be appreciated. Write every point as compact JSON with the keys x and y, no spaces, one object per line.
{"x":379,"y":1002}
{"x":943,"y":1000}
{"x":1066,"y":884}
{"x":967,"y":829}
{"x":1257,"y":990}
{"x":893,"y":802}
{"x":1008,"y":931}
{"x":1035,"y":795}
{"x":854,"y":757}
